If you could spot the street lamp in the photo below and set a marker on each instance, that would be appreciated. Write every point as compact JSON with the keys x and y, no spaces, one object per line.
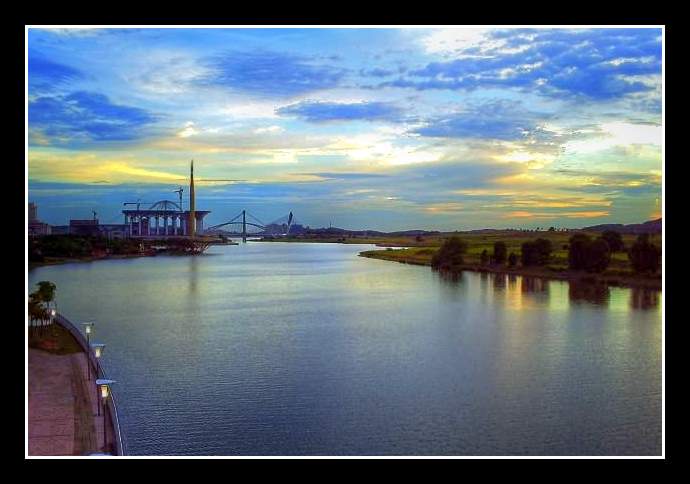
{"x":98,"y":349}
{"x":103,"y":386}
{"x":88,"y":327}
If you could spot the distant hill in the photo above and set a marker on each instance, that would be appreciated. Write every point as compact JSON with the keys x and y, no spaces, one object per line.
{"x":650,"y":227}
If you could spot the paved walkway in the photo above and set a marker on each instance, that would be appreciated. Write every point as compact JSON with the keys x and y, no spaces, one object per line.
{"x":62,"y":406}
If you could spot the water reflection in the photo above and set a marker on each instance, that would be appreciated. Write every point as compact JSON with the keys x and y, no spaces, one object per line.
{"x":499,"y":282}
{"x":193,"y":274}
{"x":276,"y":349}
{"x":642,"y":298}
{"x":535,"y":285}
{"x":598,"y":294}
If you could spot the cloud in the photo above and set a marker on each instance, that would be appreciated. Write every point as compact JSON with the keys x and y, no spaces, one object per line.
{"x":316,"y":112}
{"x":597,"y":64}
{"x":496,"y":119}
{"x":46,"y":75}
{"x":85,"y":117}
{"x":270,"y":73}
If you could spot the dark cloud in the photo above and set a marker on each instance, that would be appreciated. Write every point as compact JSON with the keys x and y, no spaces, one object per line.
{"x":581,"y":63}
{"x":314,"y":111}
{"x":270,"y":73}
{"x":83,"y":117}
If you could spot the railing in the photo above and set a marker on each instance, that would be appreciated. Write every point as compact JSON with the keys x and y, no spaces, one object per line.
{"x":110,"y":407}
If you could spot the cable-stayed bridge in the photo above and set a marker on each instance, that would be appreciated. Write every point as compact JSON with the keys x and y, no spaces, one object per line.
{"x":244,"y":225}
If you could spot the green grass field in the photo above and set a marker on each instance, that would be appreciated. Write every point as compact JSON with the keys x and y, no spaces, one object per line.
{"x":421,"y":251}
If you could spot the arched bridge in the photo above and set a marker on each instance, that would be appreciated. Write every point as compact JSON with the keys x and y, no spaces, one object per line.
{"x":244,"y":224}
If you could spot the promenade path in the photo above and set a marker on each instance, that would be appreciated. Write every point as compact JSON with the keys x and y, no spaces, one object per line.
{"x":62,"y":406}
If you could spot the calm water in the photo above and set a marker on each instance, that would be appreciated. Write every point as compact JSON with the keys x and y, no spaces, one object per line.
{"x":276,"y":348}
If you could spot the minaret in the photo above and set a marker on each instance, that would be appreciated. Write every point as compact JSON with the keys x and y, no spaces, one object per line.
{"x":192,"y":205}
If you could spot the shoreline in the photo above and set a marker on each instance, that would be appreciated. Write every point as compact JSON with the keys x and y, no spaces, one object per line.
{"x":627,"y":281}
{"x":67,"y":260}
{"x":616,"y":280}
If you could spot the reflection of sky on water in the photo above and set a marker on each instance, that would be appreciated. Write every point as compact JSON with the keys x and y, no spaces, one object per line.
{"x":308,"y":349}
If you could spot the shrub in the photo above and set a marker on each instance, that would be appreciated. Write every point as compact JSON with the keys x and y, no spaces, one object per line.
{"x":645,"y":256}
{"x":500,"y":252}
{"x":450,"y":255}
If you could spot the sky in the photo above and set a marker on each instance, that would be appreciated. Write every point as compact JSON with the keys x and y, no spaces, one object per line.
{"x":362,"y":128}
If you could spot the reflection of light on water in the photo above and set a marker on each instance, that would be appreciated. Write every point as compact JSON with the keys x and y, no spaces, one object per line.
{"x":641,"y":298}
{"x":193,"y":273}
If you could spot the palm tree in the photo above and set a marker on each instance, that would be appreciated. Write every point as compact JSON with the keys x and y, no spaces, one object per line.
{"x":39,"y":301}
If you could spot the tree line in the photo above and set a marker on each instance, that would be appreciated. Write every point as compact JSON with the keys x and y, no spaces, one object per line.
{"x":584,"y":253}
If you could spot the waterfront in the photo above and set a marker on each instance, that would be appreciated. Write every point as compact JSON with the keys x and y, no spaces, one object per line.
{"x":307,"y":349}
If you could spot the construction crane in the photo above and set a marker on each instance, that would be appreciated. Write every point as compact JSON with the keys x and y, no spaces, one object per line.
{"x":179,"y":191}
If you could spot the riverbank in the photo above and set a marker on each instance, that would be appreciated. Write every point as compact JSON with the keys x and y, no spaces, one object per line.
{"x":51,"y":261}
{"x":612,"y":278}
{"x":63,"y":408}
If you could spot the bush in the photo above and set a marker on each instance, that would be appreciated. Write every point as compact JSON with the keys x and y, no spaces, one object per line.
{"x":512,"y":259}
{"x":500,"y":252}
{"x":614,"y":239}
{"x":450,"y":255}
{"x":587,"y":254}
{"x":536,"y":253}
{"x":645,"y":256}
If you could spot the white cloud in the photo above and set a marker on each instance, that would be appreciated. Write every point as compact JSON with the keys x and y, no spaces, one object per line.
{"x":618,"y":134}
{"x":456,"y":40}
{"x":269,"y":130}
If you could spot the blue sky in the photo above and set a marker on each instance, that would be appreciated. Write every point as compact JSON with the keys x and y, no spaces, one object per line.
{"x":387,"y":129}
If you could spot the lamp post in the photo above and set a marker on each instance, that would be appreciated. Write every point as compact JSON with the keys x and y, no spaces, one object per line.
{"x":98,"y":349}
{"x":103,"y":386}
{"x":88,"y":327}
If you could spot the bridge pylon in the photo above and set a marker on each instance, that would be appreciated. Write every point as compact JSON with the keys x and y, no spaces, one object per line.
{"x":244,"y":226}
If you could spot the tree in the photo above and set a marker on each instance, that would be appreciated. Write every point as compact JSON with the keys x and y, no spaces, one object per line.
{"x":587,"y":254}
{"x":614,"y":239}
{"x":500,"y":252}
{"x":577,"y":251}
{"x":536,"y":253}
{"x":484,"y":257}
{"x":645,"y":256}
{"x":599,"y":255}
{"x":46,"y":291}
{"x":450,"y":254}
{"x":512,"y":259}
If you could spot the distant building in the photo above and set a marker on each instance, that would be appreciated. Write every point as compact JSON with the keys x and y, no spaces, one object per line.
{"x":166,"y":217}
{"x":33,"y":210}
{"x":36,"y":227}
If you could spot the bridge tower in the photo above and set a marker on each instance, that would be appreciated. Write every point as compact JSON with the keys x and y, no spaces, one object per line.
{"x":192,"y":203}
{"x":244,"y":226}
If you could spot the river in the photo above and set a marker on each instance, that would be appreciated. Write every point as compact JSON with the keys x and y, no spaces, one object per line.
{"x":307,"y":349}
